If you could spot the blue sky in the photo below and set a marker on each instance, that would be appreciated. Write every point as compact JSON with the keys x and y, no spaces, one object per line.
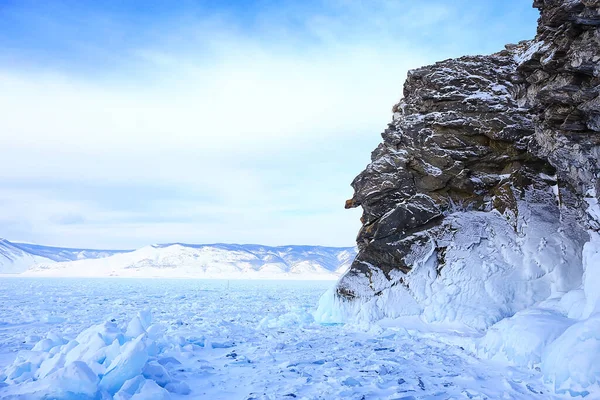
{"x":126,"y":123}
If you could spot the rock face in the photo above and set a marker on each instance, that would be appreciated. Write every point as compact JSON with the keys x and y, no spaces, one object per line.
{"x":481,"y":203}
{"x":483,"y":193}
{"x":458,"y":141}
{"x":562,"y":70}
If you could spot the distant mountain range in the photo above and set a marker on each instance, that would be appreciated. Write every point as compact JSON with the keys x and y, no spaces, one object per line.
{"x":178,"y":260}
{"x":16,"y":258}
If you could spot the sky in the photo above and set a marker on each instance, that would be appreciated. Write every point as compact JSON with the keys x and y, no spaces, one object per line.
{"x":128,"y":123}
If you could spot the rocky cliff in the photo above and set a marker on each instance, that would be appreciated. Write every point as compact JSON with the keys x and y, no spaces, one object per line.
{"x":562,"y":71}
{"x":481,"y":201}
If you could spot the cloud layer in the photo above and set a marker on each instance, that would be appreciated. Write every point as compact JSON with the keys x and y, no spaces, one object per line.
{"x":229,"y":124}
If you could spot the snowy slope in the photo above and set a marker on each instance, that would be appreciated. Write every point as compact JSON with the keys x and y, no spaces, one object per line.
{"x":64,"y":253}
{"x":227,"y":261}
{"x":16,"y":258}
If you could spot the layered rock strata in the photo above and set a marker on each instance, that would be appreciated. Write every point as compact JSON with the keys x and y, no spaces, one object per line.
{"x":480,"y":198}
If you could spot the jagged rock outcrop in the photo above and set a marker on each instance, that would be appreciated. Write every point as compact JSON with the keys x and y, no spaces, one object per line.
{"x":458,"y":141}
{"x":482,"y":200}
{"x":562,"y":70}
{"x":486,"y":177}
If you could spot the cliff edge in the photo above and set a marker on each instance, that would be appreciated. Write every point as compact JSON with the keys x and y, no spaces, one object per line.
{"x":480,"y":206}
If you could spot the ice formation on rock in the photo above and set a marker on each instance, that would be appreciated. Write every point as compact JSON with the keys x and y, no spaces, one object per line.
{"x":480,"y":207}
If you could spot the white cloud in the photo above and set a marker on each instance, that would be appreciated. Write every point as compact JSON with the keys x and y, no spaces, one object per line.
{"x":270,"y":125}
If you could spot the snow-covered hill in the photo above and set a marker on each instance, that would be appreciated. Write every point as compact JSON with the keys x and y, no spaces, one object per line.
{"x":59,"y":254}
{"x":227,"y":261}
{"x":16,"y":258}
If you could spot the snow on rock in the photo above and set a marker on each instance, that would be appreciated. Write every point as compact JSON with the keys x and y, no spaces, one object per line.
{"x":489,"y":272}
{"x":329,"y":310}
{"x":458,"y":224}
{"x":591,"y":275}
{"x":480,"y":206}
{"x":560,"y":336}
{"x":523,"y":338}
{"x":572,"y":362}
{"x":103,"y":360}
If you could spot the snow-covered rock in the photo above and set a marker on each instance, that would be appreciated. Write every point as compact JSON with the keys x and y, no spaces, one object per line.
{"x":461,"y":222}
{"x":480,"y":206}
{"x":570,"y":363}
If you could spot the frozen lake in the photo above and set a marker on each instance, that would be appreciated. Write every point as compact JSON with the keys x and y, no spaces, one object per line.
{"x":223,"y":340}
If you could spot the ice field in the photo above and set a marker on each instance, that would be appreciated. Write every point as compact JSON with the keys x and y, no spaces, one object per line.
{"x":189,"y":339}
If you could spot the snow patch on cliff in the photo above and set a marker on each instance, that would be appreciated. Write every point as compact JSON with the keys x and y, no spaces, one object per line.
{"x":533,"y":306}
{"x":489,"y":270}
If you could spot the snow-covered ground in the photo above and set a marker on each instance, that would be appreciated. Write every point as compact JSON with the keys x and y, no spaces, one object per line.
{"x":188,"y":339}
